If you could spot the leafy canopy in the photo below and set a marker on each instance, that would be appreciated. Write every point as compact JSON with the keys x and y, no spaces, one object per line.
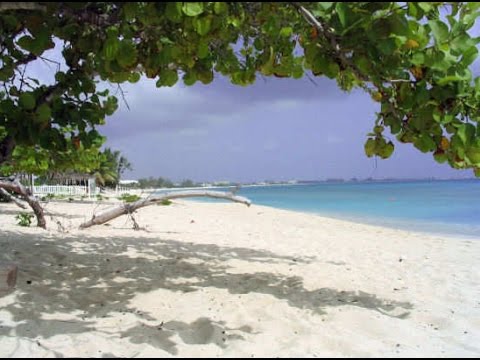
{"x":413,"y":58}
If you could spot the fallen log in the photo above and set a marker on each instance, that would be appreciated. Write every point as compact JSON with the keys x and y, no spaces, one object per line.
{"x":125,"y":208}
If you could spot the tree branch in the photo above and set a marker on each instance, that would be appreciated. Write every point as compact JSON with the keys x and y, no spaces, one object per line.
{"x":124,"y":208}
{"x":11,"y":198}
{"x":25,"y":60}
{"x":16,"y":187}
{"x":312,"y":20}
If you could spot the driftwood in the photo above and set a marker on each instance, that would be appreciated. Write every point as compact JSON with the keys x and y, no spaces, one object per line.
{"x":12,"y":198}
{"x":125,"y":208}
{"x":15,"y":186}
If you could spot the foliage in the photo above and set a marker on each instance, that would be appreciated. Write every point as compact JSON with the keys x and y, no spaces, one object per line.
{"x":157,"y":183}
{"x":129,"y":198}
{"x":48,"y":197}
{"x":187,"y":183}
{"x":112,"y":164}
{"x":24,"y":219}
{"x":42,"y":162}
{"x":165,"y":202}
{"x":413,"y":58}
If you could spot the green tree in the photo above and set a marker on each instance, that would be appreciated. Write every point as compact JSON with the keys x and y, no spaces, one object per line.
{"x":112,"y":165}
{"x":413,"y":58}
{"x":187,"y":183}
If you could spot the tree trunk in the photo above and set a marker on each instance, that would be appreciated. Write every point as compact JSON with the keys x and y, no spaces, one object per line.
{"x":124,"y":208}
{"x":15,"y":186}
{"x":7,"y":145}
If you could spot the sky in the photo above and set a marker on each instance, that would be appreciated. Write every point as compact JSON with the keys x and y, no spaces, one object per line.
{"x":276,"y":129}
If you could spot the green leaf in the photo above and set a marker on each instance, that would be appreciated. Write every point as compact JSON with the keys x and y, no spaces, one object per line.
{"x":192,"y":8}
{"x":370,"y":147}
{"x":466,"y":133}
{"x":325,"y":5}
{"x":425,"y":6}
{"x":167,"y":78}
{"x":343,"y":12}
{"x":203,"y":25}
{"x":135,"y":77}
{"x":26,"y":43}
{"x":418,"y":58}
{"x":473,"y":154}
{"x":387,"y":150}
{"x":393,"y":123}
{"x":439,"y":30}
{"x":440,"y":157}
{"x":286,"y":31}
{"x":453,"y":78}
{"x":6,"y":72}
{"x":461,"y":43}
{"x":424,"y":143}
{"x":469,"y":56}
{"x":297,"y":72}
{"x":127,"y":54}
{"x":111,"y":48}
{"x":363,"y":63}
{"x":387,"y":46}
{"x":189,"y":78}
{"x":129,"y":10}
{"x":44,"y":113}
{"x":203,"y":50}
{"x":27,"y":101}
{"x":173,"y":11}
{"x":412,"y":9}
{"x":38,"y":44}
{"x":220,"y":8}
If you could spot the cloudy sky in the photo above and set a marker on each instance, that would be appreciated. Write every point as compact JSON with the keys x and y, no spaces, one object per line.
{"x":277,"y":129}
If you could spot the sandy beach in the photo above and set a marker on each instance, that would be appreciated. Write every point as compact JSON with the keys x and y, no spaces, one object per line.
{"x":226,"y":280}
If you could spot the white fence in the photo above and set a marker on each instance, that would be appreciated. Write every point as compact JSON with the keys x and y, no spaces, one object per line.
{"x":74,"y":190}
{"x":119,"y":190}
{"x":61,"y":190}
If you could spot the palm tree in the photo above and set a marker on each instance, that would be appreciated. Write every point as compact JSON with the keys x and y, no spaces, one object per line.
{"x":112,"y":166}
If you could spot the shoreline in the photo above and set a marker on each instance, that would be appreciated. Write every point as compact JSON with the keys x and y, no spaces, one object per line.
{"x":421,"y":227}
{"x":226,"y":280}
{"x":392,"y":224}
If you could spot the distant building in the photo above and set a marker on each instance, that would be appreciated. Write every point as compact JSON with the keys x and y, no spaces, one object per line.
{"x":128,"y":182}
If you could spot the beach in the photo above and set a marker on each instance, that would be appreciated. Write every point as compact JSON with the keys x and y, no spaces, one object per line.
{"x":226,"y":280}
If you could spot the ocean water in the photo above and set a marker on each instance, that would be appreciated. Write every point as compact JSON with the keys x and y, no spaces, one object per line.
{"x":442,"y":207}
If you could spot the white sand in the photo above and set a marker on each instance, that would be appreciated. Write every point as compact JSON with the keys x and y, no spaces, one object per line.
{"x":236,"y":281}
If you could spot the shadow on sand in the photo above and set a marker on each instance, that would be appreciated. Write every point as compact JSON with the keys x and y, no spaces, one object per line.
{"x":63,"y":277}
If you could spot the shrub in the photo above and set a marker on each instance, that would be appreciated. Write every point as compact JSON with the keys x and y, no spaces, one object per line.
{"x":129,"y":198}
{"x":24,"y":219}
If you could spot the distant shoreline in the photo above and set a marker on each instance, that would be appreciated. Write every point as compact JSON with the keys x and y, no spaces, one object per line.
{"x":301,"y":182}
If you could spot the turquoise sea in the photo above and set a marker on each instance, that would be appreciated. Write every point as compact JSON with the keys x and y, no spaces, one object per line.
{"x":445,"y":207}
